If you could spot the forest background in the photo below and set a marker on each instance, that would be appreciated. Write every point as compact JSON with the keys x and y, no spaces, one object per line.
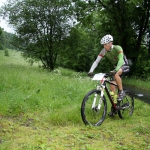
{"x":67,"y":33}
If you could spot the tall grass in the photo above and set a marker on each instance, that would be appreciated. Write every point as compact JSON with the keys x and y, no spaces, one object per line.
{"x":27,"y":88}
{"x":41,"y":110}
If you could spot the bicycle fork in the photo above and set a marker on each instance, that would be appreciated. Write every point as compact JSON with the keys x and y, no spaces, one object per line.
{"x":100,"y":100}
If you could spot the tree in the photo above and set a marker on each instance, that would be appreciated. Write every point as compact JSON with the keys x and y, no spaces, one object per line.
{"x":1,"y":30}
{"x":76,"y":54}
{"x":41,"y":26}
{"x":127,"y":21}
{"x":1,"y":44}
{"x":142,"y":25}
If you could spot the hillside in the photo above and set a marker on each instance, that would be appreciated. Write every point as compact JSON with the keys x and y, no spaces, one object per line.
{"x":40,"y":110}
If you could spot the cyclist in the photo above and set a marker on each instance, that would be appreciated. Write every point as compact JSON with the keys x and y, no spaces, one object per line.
{"x":115,"y":54}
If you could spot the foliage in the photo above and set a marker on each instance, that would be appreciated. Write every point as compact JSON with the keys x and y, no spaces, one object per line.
{"x":130,"y":31}
{"x":0,"y":30}
{"x":143,"y":65}
{"x":67,"y":33}
{"x":76,"y":55}
{"x":1,"y":47}
{"x":41,"y":27}
{"x":6,"y":40}
{"x":6,"y":52}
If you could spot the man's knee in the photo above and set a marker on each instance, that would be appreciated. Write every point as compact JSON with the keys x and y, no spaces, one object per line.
{"x":118,"y":73}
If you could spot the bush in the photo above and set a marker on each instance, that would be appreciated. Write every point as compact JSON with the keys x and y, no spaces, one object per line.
{"x":6,"y":52}
{"x":142,"y":67}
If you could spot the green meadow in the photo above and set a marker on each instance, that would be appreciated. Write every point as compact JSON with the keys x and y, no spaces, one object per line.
{"x":40,"y":110}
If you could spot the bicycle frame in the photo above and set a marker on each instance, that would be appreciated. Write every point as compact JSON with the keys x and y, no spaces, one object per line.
{"x":107,"y":91}
{"x":102,"y":86}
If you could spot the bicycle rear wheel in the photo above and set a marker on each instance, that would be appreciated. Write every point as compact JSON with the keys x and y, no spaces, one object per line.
{"x":93,"y":113}
{"x":126,"y":105}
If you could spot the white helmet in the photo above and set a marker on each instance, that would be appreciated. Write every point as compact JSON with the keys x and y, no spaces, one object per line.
{"x":106,"y":39}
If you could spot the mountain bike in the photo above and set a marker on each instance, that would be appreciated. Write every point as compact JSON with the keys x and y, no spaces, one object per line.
{"x":94,"y":104}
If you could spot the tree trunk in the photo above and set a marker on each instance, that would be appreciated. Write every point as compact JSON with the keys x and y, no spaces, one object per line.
{"x":144,"y":24}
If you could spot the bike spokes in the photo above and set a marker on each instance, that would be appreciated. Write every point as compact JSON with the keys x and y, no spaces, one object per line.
{"x":93,"y":109}
{"x":126,"y":106}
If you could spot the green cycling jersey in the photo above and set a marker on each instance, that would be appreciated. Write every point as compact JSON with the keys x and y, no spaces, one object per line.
{"x":115,"y":55}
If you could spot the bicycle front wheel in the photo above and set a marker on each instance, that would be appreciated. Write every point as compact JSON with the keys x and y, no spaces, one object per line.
{"x":93,"y":108}
{"x":126,"y":105}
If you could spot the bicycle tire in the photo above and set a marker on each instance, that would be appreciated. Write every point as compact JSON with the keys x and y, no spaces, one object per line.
{"x":93,"y":116}
{"x":126,"y":105}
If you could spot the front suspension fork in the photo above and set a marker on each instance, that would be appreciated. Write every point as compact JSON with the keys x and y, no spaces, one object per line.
{"x":100,"y":100}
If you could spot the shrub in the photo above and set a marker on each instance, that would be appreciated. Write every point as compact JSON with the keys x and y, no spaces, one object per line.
{"x":6,"y":52}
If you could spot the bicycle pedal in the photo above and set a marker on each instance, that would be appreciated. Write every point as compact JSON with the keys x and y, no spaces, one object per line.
{"x":125,"y":106}
{"x":111,"y":114}
{"x":118,"y":108}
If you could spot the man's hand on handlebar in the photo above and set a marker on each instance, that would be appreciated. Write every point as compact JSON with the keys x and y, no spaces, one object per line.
{"x":113,"y":72}
{"x":90,"y":74}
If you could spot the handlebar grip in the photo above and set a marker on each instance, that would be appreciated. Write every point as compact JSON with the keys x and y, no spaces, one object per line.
{"x":91,"y":74}
{"x":107,"y":75}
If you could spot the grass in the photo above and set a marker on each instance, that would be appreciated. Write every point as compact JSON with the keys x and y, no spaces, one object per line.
{"x":40,"y":110}
{"x":135,"y":82}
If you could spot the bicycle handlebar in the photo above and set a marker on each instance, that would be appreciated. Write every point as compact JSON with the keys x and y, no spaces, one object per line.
{"x":108,"y":75}
{"x":91,"y":75}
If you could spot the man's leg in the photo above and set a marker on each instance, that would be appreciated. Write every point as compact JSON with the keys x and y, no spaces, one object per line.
{"x":118,"y":79}
{"x":113,"y":89}
{"x":119,"y":83}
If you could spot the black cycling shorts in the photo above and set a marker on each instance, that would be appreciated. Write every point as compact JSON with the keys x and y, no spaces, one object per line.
{"x":125,"y":70}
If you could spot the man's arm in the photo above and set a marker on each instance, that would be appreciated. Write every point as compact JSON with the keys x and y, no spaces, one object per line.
{"x":96,"y":62}
{"x":120,"y":61}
